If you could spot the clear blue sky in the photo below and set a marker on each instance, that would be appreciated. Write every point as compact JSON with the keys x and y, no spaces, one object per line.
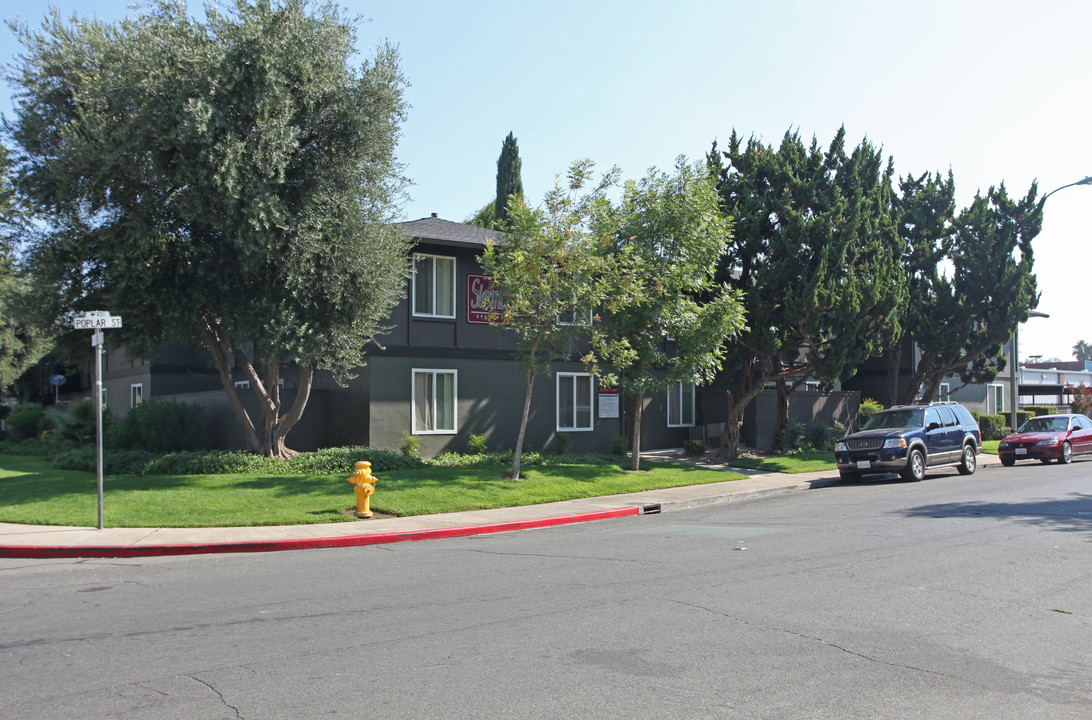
{"x":995,"y":90}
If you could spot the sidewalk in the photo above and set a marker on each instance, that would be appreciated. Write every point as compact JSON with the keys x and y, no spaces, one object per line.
{"x":42,"y":541}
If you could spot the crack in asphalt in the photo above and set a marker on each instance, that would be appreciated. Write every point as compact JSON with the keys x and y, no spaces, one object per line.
{"x":218,"y":694}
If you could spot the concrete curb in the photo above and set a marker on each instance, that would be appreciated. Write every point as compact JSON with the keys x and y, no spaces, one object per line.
{"x":129,"y":551}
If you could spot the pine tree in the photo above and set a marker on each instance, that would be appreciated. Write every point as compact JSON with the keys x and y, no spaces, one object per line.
{"x":509,"y":182}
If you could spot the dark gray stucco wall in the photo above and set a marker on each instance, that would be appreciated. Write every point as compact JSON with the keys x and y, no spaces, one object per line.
{"x":489,"y":401}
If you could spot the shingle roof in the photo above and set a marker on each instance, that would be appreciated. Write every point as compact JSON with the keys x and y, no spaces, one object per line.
{"x":445,"y":231}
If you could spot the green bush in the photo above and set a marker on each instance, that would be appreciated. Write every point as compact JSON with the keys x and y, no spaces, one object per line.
{"x":114,"y":462}
{"x":79,"y":423}
{"x":796,"y":435}
{"x":869,"y":407}
{"x":32,"y":446}
{"x":562,"y":441}
{"x":1038,"y":410}
{"x":477,"y":444}
{"x":694,"y":447}
{"x":619,"y":446}
{"x":410,"y":446}
{"x":822,"y":436}
{"x":993,"y":427}
{"x":161,"y":426}
{"x":343,"y":459}
{"x":28,"y":420}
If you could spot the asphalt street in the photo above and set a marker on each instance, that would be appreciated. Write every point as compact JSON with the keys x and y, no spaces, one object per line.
{"x":957,"y":597}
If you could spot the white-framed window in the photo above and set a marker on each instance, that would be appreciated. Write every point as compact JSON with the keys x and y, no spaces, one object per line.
{"x":434,"y":395}
{"x":136,"y":394}
{"x":575,"y":398}
{"x":433,"y":286}
{"x":680,"y":405}
{"x":995,"y":399}
{"x":944,"y":392}
{"x":242,"y":384}
{"x":583,"y":318}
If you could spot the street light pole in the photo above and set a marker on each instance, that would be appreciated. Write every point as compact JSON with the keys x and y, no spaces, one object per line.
{"x":1015,"y":371}
{"x":1014,"y":380}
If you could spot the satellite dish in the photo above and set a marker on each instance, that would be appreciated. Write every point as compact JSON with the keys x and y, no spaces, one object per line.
{"x":57,"y":380}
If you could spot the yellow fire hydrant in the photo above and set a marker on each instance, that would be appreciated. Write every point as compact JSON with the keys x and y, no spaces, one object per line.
{"x":364,"y":486}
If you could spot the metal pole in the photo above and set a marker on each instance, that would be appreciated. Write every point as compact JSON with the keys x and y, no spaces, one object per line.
{"x":98,"y":416}
{"x":1014,"y":373}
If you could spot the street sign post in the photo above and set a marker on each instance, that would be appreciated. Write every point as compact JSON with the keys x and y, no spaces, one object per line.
{"x":97,"y":320}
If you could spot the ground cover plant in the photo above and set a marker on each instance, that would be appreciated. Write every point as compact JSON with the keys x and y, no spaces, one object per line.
{"x":34,"y":491}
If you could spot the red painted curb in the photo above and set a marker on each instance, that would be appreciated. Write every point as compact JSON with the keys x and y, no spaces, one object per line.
{"x":124,"y":551}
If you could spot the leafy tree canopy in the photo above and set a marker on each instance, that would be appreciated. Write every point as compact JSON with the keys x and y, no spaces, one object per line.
{"x":231,"y":180}
{"x":667,"y":235}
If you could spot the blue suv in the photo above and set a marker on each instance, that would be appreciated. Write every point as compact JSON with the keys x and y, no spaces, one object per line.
{"x":910,"y":439}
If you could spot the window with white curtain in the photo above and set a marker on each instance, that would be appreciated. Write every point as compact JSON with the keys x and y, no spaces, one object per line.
{"x":433,"y":286}
{"x":680,"y":405}
{"x":434,"y":395}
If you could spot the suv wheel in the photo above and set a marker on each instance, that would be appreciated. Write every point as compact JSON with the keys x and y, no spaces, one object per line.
{"x":915,"y":466}
{"x":970,"y":461}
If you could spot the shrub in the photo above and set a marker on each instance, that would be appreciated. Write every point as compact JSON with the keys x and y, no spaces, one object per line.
{"x":619,"y":446}
{"x":694,"y":447}
{"x":28,"y":420}
{"x":161,"y":426}
{"x":796,"y":435}
{"x":562,"y":441}
{"x":822,"y":436}
{"x":1082,"y":399}
{"x":117,"y":462}
{"x":477,"y":444}
{"x":30,"y":446}
{"x":869,"y":407}
{"x":78,"y":424}
{"x":343,"y":459}
{"x":1038,"y":410}
{"x":993,"y":427}
{"x":410,"y":446}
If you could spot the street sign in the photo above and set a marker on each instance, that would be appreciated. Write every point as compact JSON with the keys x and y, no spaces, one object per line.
{"x":97,"y":321}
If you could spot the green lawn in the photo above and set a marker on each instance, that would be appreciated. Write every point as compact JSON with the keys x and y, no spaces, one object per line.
{"x":800,"y":463}
{"x":32,"y":491}
{"x":990,"y":446}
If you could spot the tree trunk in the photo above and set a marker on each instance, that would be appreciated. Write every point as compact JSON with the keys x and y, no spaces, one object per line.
{"x":269,"y":440}
{"x":638,"y":412}
{"x":749,"y":387}
{"x":523,"y":425}
{"x":894,"y":365}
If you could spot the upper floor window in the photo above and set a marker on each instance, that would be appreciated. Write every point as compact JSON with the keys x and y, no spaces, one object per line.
{"x":680,"y":405}
{"x":136,"y":394}
{"x":433,"y":286}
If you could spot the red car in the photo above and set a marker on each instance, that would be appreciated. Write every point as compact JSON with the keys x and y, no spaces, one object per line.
{"x":1048,"y":437}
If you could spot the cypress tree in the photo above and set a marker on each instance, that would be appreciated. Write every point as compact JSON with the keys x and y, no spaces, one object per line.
{"x":509,"y":181}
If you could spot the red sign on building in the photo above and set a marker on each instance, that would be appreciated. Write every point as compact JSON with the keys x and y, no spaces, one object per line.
{"x":482,"y":302}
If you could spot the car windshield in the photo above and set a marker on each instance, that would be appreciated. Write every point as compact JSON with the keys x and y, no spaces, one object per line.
{"x":895,"y":419}
{"x":1045,"y":424}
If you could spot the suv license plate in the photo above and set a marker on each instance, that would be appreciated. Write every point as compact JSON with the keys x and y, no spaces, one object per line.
{"x":1021,"y":451}
{"x":863,"y":465}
